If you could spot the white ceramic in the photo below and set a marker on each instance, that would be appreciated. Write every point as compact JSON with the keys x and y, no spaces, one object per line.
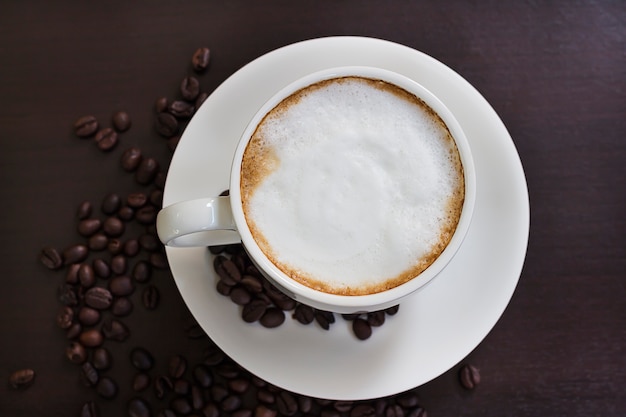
{"x":435,"y":327}
{"x":195,"y":222}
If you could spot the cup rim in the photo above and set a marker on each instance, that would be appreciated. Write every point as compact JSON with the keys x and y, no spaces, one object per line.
{"x":366,"y":302}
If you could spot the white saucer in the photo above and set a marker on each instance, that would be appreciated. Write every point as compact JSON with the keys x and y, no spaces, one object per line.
{"x":436,"y":327}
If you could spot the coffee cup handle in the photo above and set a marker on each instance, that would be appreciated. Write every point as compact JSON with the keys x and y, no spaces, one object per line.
{"x":199,"y":222}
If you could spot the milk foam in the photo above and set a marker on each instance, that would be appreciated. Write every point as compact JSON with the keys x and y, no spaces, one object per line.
{"x":350,"y":188}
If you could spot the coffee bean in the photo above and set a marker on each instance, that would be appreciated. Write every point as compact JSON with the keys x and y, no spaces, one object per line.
{"x":469,"y":376}
{"x":84,"y":210}
{"x":121,"y":121}
{"x":147,"y":170}
{"x":85,"y":126}
{"x":99,"y":298}
{"x":227,"y":270}
{"x":106,"y":388}
{"x":230,"y":403}
{"x":138,"y":408}
{"x":417,"y":412}
{"x":263,"y":411}
{"x":113,"y":227}
{"x":137,"y":199}
{"x":253,"y":311}
{"x":361,"y":328}
{"x":131,"y":158}
{"x":201,"y":99}
{"x":141,"y":359}
{"x":324,"y":319}
{"x":190,"y":88}
{"x":102,"y":359}
{"x":166,"y":124}
{"x":111,"y":203}
{"x":156,"y":197}
{"x":304,"y":314}
{"x":106,"y":139}
{"x":150,"y":297}
{"x":141,"y":381}
{"x":182,"y":387}
{"x":343,"y":406}
{"x":394,"y":410}
{"x":252,"y":284}
{"x":286,"y":404}
{"x":121,"y":307}
{"x":71,"y":275}
{"x":213,"y":355}
{"x":392,"y":310}
{"x":181,"y":109}
{"x":223,"y":289}
{"x":51,"y":258}
{"x":408,"y":400}
{"x":131,"y":247}
{"x":142,"y":271}
{"x":376,"y":318}
{"x":115,"y":330}
{"x":202,"y":375}
{"x":149,"y":242}
{"x":121,"y":285}
{"x":75,"y":254}
{"x":67,"y":295}
{"x":146,"y":215}
{"x":74,"y":331}
{"x":177,"y":366}
{"x":88,"y":227}
{"x":363,"y":410}
{"x":88,"y":316}
{"x":115,"y":246}
{"x":158,"y":260}
{"x":21,"y":379}
{"x":98,"y":242}
{"x":126,"y":213}
{"x":101,"y":268}
{"x":181,"y":406}
{"x":65,"y":317}
{"x":89,"y":410}
{"x":197,"y":402}
{"x":305,"y":404}
{"x":172,"y":143}
{"x":86,"y":275}
{"x":91,"y":338}
{"x":273,"y":317}
{"x":76,"y":353}
{"x":162,"y":385}
{"x":218,"y":393}
{"x":160,"y":104}
{"x":240,"y":296}
{"x":200,"y":59}
{"x":89,"y":374}
{"x":239,"y":385}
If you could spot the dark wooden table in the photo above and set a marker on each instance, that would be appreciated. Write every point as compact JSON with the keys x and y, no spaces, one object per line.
{"x":555,"y":72}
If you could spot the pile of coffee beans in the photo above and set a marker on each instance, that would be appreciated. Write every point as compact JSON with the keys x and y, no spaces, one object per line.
{"x":262,"y":302}
{"x":116,"y":257}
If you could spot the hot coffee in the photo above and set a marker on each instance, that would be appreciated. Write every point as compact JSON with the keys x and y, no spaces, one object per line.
{"x":352,"y":186}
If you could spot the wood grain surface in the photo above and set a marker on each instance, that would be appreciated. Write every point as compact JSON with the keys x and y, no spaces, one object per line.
{"x":555,"y":72}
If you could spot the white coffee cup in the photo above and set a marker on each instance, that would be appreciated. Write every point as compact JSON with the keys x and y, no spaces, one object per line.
{"x":218,"y":220}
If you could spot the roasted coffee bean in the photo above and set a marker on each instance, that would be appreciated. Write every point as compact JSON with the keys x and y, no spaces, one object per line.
{"x":197,"y":402}
{"x":106,"y":139}
{"x":228,"y":272}
{"x":126,"y":213}
{"x":252,"y":283}
{"x":101,"y":268}
{"x":75,"y":254}
{"x":160,"y":104}
{"x":172,"y":143}
{"x":363,"y":410}
{"x":141,"y":359}
{"x":156,"y":198}
{"x":169,"y":413}
{"x":131,"y":158}
{"x":21,"y":379}
{"x":137,"y":199}
{"x":76,"y":353}
{"x":239,"y":385}
{"x":417,"y":412}
{"x":286,"y":404}
{"x":181,"y":405}
{"x":304,"y":314}
{"x":200,"y":59}
{"x":142,"y":271}
{"x":91,"y":338}
{"x":266,"y":396}
{"x":115,"y":246}
{"x":469,"y":376}
{"x":158,"y":260}
{"x":65,"y":317}
{"x":361,"y":328}
{"x":138,"y":408}
{"x":182,"y":387}
{"x":86,"y":275}
{"x":106,"y":388}
{"x":98,"y":242}
{"x":223,"y":289}
{"x":121,"y":307}
{"x":149,"y":242}
{"x":253,"y":311}
{"x":242,"y":412}
{"x":218,"y":393}
{"x":324,"y":319}
{"x":71,"y":276}
{"x":240,"y":296}
{"x":376,"y":318}
{"x":51,"y":258}
{"x":88,"y":316}
{"x":111,"y":203}
{"x":102,"y":359}
{"x":67,"y":295}
{"x":213,"y":355}
{"x":264,"y":411}
{"x":343,"y":406}
{"x":85,"y":126}
{"x":202,"y":375}
{"x":166,"y":124}
{"x":408,"y":400}
{"x":201,"y":99}
{"x":121,"y":121}
{"x":131,"y":247}
{"x":141,"y":382}
{"x":273,"y":317}
{"x":119,"y":265}
{"x":88,"y":227}
{"x":89,"y":374}
{"x":150,"y":297}
{"x":177,"y":366}
{"x":99,"y":298}
{"x":305,"y":404}
{"x":162,"y":385}
{"x":392,"y":310}
{"x":190,"y":88}
{"x":115,"y":330}
{"x":146,"y":215}
{"x":89,"y":410}
{"x":282,"y":301}
{"x":113,"y":227}
{"x":230,"y":403}
{"x":121,"y":285}
{"x":74,"y":331}
{"x":146,"y":171}
{"x":394,"y":410}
